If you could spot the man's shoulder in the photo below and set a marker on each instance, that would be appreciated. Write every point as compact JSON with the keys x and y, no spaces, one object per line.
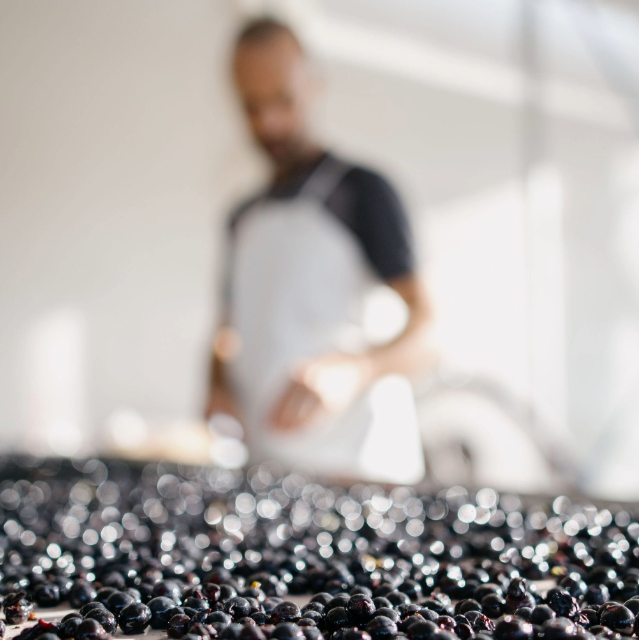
{"x":364,"y":178}
{"x":362,"y":187}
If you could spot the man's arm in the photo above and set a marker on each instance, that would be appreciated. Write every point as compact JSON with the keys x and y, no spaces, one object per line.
{"x":330,"y":383}
{"x":225,"y":345}
{"x":220,"y":397}
{"x":412,"y":351}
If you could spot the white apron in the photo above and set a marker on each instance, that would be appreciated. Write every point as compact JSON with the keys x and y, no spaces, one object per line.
{"x":299,"y":282}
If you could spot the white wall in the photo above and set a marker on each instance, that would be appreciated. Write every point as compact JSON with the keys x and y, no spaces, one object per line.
{"x":115,"y":140}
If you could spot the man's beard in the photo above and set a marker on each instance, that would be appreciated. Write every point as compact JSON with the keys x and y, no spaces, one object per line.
{"x":284,"y":153}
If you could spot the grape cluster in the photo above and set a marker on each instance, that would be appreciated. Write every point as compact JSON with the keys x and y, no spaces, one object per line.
{"x":206,"y":553}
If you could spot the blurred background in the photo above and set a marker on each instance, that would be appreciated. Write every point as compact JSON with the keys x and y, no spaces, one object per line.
{"x":510,"y":126}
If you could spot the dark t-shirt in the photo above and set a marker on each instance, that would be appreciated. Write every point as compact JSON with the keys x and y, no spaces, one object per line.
{"x":367,"y":204}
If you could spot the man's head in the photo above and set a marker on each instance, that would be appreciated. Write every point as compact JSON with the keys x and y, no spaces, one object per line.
{"x":277,"y":87}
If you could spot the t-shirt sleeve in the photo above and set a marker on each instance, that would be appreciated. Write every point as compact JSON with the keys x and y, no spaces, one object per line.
{"x":380,"y":222}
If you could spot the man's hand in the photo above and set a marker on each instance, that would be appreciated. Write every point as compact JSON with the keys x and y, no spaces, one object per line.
{"x":327,"y":385}
{"x":321,"y":387}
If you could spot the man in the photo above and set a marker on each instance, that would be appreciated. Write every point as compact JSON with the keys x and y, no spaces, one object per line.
{"x":291,"y":360}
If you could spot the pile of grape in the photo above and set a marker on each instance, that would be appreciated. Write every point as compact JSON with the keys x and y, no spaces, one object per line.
{"x":204,"y":553}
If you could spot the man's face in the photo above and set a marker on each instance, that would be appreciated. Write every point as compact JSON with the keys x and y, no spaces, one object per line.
{"x":276,"y":89}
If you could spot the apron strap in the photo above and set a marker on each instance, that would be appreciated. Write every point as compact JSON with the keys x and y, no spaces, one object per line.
{"x":325,"y":178}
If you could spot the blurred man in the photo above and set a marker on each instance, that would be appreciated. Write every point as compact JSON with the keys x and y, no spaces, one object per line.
{"x":291,"y":360}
